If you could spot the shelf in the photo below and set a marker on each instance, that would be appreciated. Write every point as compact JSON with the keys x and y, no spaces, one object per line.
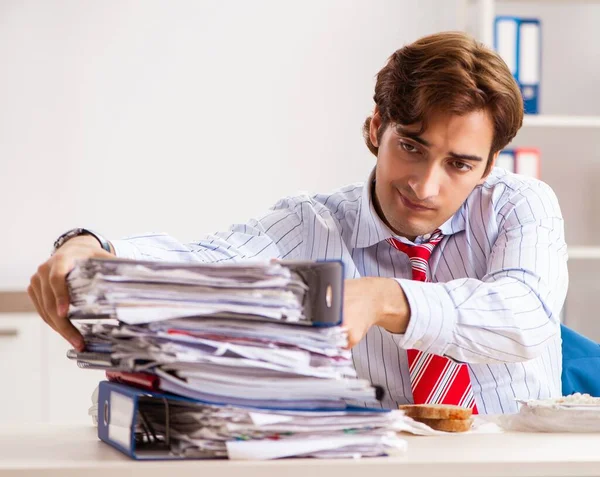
{"x":546,"y":120}
{"x":548,"y":1}
{"x":584,"y":252}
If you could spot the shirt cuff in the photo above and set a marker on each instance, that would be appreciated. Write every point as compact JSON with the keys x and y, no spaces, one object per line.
{"x":125,"y":249}
{"x":432,"y":317}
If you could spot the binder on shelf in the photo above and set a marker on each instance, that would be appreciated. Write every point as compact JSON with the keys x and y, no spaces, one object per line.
{"x":506,"y":160}
{"x":520,"y":160}
{"x":527,"y":161}
{"x":518,"y":42}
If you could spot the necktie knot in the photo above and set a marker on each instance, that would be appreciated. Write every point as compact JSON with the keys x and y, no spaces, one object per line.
{"x":418,"y":254}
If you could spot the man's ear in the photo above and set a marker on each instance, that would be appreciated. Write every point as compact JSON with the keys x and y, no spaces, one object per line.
{"x":490,"y":166}
{"x":374,"y":127}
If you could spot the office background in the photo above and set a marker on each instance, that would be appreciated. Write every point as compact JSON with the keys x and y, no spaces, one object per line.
{"x":130,"y":116}
{"x":133,"y":116}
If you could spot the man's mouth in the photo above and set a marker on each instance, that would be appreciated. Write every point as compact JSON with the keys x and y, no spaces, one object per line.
{"x":412,"y":205}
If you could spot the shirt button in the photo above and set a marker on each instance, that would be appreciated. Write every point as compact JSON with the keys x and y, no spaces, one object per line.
{"x":418,"y":343}
{"x":426,"y":236}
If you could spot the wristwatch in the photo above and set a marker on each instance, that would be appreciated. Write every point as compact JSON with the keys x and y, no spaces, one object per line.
{"x":68,"y":235}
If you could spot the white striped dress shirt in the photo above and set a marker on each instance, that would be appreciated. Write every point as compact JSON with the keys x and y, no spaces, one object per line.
{"x":498,"y":281}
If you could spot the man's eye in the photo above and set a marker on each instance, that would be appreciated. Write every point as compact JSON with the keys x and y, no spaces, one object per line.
{"x":408,"y":147}
{"x":461,"y":166}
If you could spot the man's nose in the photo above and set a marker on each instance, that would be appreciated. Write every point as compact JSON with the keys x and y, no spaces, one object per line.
{"x":426,"y":183}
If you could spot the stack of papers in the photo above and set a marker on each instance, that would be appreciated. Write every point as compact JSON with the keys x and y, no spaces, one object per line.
{"x":301,"y":368}
{"x":143,"y":292}
{"x":204,"y":431}
{"x":247,"y":342}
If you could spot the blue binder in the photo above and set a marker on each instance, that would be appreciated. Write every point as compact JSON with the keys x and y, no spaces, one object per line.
{"x":119,"y":418}
{"x":122,"y":423}
{"x":506,"y":160}
{"x":519,"y":43}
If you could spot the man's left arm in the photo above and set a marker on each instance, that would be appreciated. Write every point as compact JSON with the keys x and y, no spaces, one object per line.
{"x":513,"y":311}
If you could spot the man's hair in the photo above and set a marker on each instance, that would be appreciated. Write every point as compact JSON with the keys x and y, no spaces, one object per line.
{"x":449,"y":72}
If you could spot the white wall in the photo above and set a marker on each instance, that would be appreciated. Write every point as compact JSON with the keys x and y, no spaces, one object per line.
{"x":133,"y":116}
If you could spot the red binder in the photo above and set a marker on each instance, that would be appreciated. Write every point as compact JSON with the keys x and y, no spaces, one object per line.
{"x":139,"y":380}
{"x":521,"y":160}
{"x":527,"y":161}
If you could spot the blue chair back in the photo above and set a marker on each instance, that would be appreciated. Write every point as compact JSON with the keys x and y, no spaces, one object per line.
{"x":581,"y":364}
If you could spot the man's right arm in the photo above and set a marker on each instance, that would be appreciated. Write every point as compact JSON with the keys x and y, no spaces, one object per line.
{"x":277,"y":234}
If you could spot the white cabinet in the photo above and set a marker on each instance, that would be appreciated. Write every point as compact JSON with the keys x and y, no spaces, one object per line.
{"x":37,"y":381}
{"x":21,"y":368}
{"x":69,"y":387}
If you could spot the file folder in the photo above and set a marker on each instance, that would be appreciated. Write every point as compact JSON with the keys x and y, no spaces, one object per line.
{"x":530,"y":64}
{"x":321,"y":302}
{"x":506,"y":160}
{"x":520,"y":160}
{"x":262,"y":334}
{"x":123,"y":425}
{"x":124,"y":421}
{"x":506,"y":33}
{"x":147,"y":381}
{"x":527,"y":162}
{"x":518,"y":42}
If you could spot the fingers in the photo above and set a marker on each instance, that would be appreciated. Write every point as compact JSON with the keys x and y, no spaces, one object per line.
{"x":352,"y":341}
{"x":58,"y":286}
{"x":34,"y":292}
{"x":352,"y":336}
{"x":58,"y":302}
{"x":49,"y":294}
{"x":46,"y":296}
{"x":60,"y":322}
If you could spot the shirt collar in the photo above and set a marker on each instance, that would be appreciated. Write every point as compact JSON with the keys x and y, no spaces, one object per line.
{"x":369,"y":229}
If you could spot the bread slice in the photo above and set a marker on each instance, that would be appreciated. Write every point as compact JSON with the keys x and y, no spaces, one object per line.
{"x":436,"y":411}
{"x":447,"y":425}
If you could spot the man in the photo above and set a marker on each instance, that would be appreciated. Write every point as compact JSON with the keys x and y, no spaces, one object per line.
{"x":491,"y":290}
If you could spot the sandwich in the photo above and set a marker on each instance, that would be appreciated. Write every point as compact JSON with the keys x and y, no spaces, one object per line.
{"x":441,"y":417}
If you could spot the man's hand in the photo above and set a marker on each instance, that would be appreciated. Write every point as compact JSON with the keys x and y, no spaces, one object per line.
{"x":48,"y":286}
{"x":372,"y":301}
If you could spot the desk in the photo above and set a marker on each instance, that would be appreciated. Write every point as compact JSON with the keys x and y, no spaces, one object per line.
{"x":67,"y":451}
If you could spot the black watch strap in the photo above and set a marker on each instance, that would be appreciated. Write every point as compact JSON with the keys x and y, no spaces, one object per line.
{"x":60,"y":241}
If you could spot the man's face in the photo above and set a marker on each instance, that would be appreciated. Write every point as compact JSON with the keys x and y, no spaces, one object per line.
{"x":421,"y":181}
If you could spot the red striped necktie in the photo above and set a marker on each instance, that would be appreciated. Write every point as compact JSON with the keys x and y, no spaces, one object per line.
{"x":434,"y":379}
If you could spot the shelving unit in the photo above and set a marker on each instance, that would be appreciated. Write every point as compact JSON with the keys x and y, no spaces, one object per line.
{"x":556,"y":121}
{"x":486,"y":12}
{"x":587,"y":253}
{"x":549,"y":1}
{"x":483,"y":30}
{"x":477,"y":18}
